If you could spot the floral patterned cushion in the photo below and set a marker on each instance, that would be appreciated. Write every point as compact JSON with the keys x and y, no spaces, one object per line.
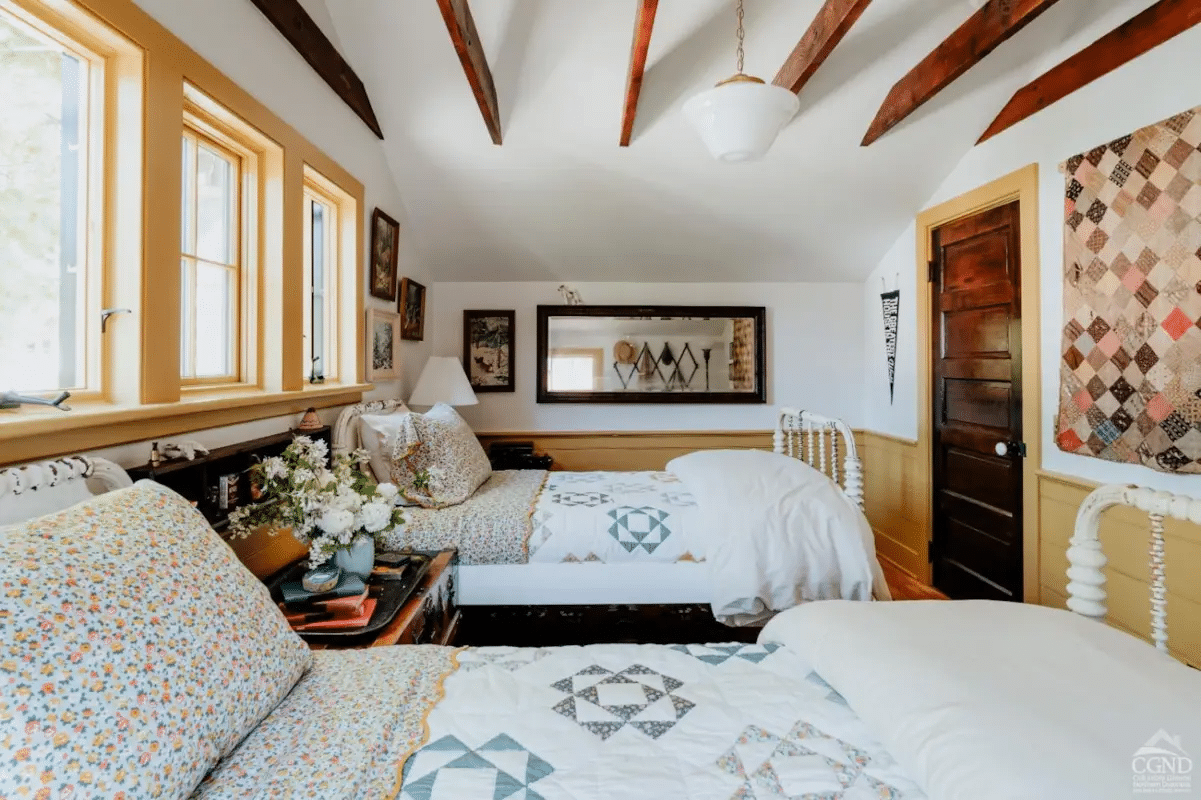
{"x":436,"y":459}
{"x":135,"y":650}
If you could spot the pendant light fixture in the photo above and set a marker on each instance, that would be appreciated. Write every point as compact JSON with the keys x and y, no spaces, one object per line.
{"x":740,"y":117}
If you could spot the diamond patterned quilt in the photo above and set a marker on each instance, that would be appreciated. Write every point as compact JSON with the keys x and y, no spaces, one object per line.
{"x":614,"y":518}
{"x":690,"y":722}
{"x":1130,"y":388}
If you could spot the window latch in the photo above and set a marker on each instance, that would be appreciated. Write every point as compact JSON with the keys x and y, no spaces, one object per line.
{"x":105,"y":313}
{"x":14,"y":400}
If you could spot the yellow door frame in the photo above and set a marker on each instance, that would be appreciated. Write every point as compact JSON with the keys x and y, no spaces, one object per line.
{"x":1022,"y":186}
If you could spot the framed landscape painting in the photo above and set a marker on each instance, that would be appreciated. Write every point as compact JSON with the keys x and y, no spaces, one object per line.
{"x":385,"y":246}
{"x":383,"y":333}
{"x":488,"y":350}
{"x":412,"y":310}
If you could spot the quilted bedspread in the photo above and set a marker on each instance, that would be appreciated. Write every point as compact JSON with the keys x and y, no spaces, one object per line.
{"x":615,"y":517}
{"x":685,"y":722}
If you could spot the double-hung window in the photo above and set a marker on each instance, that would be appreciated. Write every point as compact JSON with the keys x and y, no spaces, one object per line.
{"x":211,"y":262}
{"x":51,"y":158}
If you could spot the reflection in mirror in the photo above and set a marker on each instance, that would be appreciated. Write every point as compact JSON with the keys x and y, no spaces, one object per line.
{"x":661,"y":354}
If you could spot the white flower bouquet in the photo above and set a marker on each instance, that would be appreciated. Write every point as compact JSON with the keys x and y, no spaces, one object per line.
{"x":324,"y":508}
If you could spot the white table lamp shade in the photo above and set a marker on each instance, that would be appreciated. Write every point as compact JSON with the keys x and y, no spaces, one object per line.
{"x":443,"y":381}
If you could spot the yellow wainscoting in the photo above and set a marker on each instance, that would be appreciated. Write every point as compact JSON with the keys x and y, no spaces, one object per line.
{"x":895,"y":491}
{"x":1125,"y":537}
{"x":628,"y":450}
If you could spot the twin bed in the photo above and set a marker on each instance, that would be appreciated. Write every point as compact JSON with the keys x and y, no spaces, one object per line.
{"x":785,"y":530}
{"x":116,"y":680}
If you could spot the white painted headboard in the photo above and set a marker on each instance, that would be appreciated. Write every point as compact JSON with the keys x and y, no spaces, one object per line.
{"x":33,"y":490}
{"x":1086,"y":587}
{"x":815,"y":440}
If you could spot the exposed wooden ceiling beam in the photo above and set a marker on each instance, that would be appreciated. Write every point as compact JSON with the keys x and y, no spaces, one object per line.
{"x":983,"y":32}
{"x":829,"y":27}
{"x":643,"y":25}
{"x":290,"y":19}
{"x":461,"y":26}
{"x":1148,"y":30}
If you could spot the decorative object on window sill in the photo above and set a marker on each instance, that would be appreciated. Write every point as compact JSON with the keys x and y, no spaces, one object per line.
{"x":385,"y":250}
{"x":571,"y":297}
{"x":488,"y":349}
{"x":891,"y":303}
{"x":327,"y":509}
{"x":412,"y":310}
{"x":443,"y":381}
{"x":739,"y":119}
{"x":383,"y":333}
{"x":310,"y":421}
{"x":184,"y":448}
{"x":315,"y":377}
{"x":14,"y":400}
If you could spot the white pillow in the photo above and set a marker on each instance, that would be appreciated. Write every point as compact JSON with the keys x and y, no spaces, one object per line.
{"x":984,"y":700}
{"x":377,"y":432}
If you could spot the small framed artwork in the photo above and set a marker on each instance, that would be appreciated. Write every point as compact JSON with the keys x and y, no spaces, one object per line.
{"x":383,"y":332}
{"x":412,"y":310}
{"x":488,"y":350}
{"x":385,"y":246}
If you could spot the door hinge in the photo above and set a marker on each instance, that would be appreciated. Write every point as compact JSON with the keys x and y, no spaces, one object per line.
{"x":932,"y":274}
{"x":930,"y":551}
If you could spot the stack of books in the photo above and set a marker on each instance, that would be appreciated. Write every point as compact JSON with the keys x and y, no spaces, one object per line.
{"x":348,"y":605}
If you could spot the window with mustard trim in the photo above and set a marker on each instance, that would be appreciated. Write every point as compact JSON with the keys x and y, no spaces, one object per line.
{"x":52,"y":176}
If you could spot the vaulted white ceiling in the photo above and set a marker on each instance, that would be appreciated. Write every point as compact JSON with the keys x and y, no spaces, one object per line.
{"x":559,"y":200}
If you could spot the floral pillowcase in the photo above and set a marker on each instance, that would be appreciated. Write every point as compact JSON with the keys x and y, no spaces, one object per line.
{"x":135,"y":650}
{"x":436,"y":459}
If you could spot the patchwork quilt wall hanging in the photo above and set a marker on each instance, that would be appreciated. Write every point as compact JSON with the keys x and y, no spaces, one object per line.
{"x":1130,"y":388}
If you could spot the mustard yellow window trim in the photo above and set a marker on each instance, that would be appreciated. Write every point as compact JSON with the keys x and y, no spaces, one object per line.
{"x":151,"y":79}
{"x":34,"y":434}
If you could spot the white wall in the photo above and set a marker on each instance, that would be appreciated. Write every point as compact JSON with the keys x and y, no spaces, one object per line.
{"x":1152,"y":88}
{"x":236,"y":38}
{"x":814,"y":353}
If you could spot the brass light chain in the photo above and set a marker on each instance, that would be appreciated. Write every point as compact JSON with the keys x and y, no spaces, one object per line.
{"x":741,"y":36}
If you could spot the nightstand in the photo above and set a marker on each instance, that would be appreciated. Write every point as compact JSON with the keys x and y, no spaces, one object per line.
{"x":430,"y":616}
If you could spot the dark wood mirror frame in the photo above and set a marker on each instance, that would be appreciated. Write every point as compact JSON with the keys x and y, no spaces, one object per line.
{"x":757,"y":314}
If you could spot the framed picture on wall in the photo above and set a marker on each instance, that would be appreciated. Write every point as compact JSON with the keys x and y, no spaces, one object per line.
{"x":385,"y":246}
{"x":383,"y":333}
{"x":412,"y":310}
{"x":488,"y":350}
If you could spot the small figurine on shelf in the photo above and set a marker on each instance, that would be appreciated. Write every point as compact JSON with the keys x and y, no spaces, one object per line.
{"x":310,"y":421}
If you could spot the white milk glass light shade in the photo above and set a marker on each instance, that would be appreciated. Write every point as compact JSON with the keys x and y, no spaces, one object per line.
{"x":443,"y":381}
{"x":739,"y":119}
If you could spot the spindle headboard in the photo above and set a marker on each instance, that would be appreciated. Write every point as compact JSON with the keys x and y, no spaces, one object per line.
{"x":1086,"y":587}
{"x":33,"y":490}
{"x":814,"y":439}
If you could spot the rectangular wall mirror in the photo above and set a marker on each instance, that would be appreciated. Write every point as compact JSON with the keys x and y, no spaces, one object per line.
{"x":652,"y":354}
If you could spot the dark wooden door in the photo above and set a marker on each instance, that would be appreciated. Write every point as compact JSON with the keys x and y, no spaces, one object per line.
{"x":978,"y":450}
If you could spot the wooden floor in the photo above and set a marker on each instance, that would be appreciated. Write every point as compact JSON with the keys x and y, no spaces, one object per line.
{"x":905,"y":587}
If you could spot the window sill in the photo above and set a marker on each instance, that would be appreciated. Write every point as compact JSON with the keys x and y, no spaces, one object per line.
{"x":28,"y":433}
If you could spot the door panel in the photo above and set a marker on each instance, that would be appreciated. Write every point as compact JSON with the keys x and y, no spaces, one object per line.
{"x":977,"y":547}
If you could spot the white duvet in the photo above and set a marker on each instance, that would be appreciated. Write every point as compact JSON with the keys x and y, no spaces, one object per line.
{"x":645,"y":722}
{"x":777,"y":533}
{"x":982,"y":700}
